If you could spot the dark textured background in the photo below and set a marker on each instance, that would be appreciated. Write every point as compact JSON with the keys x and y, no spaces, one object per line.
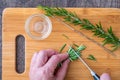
{"x":53,"y":3}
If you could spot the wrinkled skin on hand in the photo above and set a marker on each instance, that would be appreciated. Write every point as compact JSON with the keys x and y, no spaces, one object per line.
{"x":44,"y":63}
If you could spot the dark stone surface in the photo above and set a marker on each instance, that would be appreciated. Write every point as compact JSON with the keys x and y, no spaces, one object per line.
{"x":53,"y":3}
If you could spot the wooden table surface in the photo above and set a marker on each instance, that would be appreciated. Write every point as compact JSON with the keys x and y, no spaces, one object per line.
{"x":53,"y":3}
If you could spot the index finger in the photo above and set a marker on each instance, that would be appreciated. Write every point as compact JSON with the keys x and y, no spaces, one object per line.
{"x":43,"y":56}
{"x":54,"y":60}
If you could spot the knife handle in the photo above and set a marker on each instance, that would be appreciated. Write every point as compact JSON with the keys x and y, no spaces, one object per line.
{"x":96,"y":77}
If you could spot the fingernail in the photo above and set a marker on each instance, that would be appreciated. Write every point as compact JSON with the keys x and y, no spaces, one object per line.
{"x":105,"y":76}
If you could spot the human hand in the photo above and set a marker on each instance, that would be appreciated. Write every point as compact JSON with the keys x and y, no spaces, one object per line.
{"x":105,"y":76}
{"x":44,"y":63}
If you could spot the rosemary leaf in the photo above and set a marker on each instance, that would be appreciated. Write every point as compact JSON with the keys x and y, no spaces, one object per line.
{"x":91,"y":57}
{"x":65,"y":36}
{"x":61,"y":49}
{"x":60,"y":64}
{"x":80,"y":48}
{"x":75,"y":45}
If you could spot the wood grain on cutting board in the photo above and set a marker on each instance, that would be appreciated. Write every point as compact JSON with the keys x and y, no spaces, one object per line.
{"x":13,"y":22}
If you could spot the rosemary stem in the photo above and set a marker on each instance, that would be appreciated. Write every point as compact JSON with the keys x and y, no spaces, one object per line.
{"x":107,"y":50}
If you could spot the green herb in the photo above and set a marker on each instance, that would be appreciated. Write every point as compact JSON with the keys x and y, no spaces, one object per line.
{"x":71,"y":17}
{"x":75,"y":45}
{"x":81,"y":48}
{"x":60,"y":64}
{"x":91,"y":57}
{"x":72,"y":51}
{"x":61,"y":49}
{"x":65,"y":36}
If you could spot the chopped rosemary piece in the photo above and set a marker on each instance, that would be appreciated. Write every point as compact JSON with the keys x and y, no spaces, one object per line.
{"x":91,"y":57}
{"x":61,"y":49}
{"x":108,"y":36}
{"x":65,"y":36}
{"x":80,"y":48}
{"x":75,"y":45}
{"x":72,"y":54}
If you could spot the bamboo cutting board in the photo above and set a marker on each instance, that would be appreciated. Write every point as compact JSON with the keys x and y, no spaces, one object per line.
{"x":13,"y":22}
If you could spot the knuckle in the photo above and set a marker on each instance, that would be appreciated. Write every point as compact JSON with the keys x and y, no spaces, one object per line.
{"x":42,"y":52}
{"x":55,"y":57}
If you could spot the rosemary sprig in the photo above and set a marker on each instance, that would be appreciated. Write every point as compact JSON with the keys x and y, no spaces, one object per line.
{"x":108,"y":36}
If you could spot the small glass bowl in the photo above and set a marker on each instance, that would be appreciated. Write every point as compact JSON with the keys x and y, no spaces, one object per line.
{"x":38,"y":26}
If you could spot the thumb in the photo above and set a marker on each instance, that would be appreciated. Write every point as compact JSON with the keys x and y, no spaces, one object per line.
{"x":105,"y":76}
{"x":62,"y":71}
